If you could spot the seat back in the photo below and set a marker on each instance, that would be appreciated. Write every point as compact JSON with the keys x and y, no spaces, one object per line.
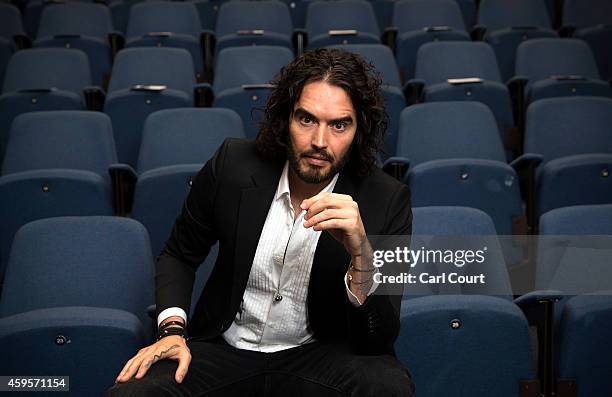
{"x":559,"y":127}
{"x":500,"y":14}
{"x":185,"y":136}
{"x":439,"y":61}
{"x":239,"y":17}
{"x":381,"y":57}
{"x":540,"y":59}
{"x":78,"y":18}
{"x":323,"y":17}
{"x":583,"y":13}
{"x":163,"y":16}
{"x":466,"y":130}
{"x":77,"y":261}
{"x":47,"y":68}
{"x":11,"y":21}
{"x":78,"y":140}
{"x":172,"y":67}
{"x":412,"y":15}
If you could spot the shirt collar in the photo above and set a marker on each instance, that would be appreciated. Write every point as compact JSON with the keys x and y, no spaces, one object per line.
{"x":283,"y":183}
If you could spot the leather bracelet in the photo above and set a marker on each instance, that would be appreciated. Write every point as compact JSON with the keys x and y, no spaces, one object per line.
{"x":173,"y":322}
{"x":171,"y":331}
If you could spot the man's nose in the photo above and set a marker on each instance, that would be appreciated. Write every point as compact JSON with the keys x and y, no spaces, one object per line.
{"x":319,"y":136}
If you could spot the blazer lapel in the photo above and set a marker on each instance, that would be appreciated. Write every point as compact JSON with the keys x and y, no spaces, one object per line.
{"x":255,"y":201}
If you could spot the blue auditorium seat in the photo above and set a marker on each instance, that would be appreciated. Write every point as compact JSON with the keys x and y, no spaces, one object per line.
{"x":459,"y":160}
{"x":464,"y":71}
{"x":242,"y":80}
{"x":56,"y":164}
{"x":507,"y":23}
{"x":84,"y":26}
{"x":42,"y":79}
{"x":88,"y":344}
{"x":421,"y":21}
{"x":383,"y":60}
{"x":144,"y":80}
{"x":558,"y":67}
{"x":449,"y":339}
{"x":341,"y":22}
{"x":10,"y":26}
{"x":245,"y":23}
{"x":166,"y":24}
{"x":572,"y":136}
{"x":175,"y":145}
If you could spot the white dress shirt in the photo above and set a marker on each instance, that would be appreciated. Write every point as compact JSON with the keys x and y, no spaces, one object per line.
{"x":273,"y":313}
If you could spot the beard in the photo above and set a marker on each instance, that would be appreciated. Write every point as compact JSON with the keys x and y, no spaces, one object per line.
{"x":312,"y":173}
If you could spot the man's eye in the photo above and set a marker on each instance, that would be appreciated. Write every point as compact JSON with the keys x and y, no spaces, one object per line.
{"x":306,"y":120}
{"x":340,"y":126}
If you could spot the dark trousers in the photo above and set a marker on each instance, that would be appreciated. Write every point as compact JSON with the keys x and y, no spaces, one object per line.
{"x":314,"y":369}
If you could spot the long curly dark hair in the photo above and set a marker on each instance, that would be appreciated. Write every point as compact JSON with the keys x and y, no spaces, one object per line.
{"x":338,"y":67}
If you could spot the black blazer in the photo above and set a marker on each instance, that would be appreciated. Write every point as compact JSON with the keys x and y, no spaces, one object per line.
{"x":228,"y":202}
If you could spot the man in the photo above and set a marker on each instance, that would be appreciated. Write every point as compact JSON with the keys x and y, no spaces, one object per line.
{"x":289,"y":308}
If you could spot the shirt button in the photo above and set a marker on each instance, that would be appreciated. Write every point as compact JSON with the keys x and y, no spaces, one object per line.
{"x":278,"y":297}
{"x":278,"y":259}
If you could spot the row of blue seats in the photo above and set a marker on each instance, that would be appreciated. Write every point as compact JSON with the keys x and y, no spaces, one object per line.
{"x":83,"y":286}
{"x":89,"y":27}
{"x":65,"y":163}
{"x":149,"y":79}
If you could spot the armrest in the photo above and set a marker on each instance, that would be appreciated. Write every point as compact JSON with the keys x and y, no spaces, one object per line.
{"x":151,"y":310}
{"x":537,"y":297}
{"x":478,"y":32}
{"x":203,"y":95}
{"x":117,"y":42}
{"x":22,"y":41}
{"x":566,"y":31}
{"x":389,"y":36}
{"x":413,"y":91}
{"x":396,"y":166}
{"x":208,"y":42}
{"x":299,"y":39}
{"x":94,"y":98}
{"x":516,"y":86}
{"x":124,"y":180}
{"x":525,"y":167}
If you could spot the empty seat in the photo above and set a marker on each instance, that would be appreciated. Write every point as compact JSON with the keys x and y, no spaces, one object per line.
{"x":572,"y":136}
{"x":84,"y":26}
{"x":591,"y":20}
{"x":464,"y":71}
{"x":505,"y":24}
{"x":421,"y":21}
{"x":42,"y":79}
{"x":241,"y":23}
{"x":175,"y":145}
{"x":145,"y":80}
{"x":61,"y":337}
{"x":582,"y":339}
{"x":166,"y":24}
{"x":242,"y":80}
{"x":10,"y":26}
{"x":456,"y":158}
{"x":558,"y":67}
{"x":341,"y":22}
{"x":56,"y":164}
{"x":91,"y":261}
{"x":383,"y":60}
{"x":449,"y":341}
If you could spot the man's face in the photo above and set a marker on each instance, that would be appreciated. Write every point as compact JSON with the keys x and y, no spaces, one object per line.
{"x":321,"y":130}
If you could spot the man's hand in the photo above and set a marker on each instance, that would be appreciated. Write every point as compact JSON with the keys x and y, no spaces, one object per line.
{"x":338,"y":214}
{"x":171,"y":347}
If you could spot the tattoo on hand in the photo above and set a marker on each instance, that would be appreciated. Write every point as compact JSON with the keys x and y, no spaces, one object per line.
{"x":157,"y":357}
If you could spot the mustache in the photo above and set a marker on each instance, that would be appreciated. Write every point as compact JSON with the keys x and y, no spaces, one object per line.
{"x":318,"y":153}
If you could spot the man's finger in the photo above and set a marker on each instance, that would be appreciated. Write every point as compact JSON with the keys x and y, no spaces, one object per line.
{"x":131,"y":368}
{"x":324,"y":195}
{"x":184,"y":360}
{"x":325,"y":215}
